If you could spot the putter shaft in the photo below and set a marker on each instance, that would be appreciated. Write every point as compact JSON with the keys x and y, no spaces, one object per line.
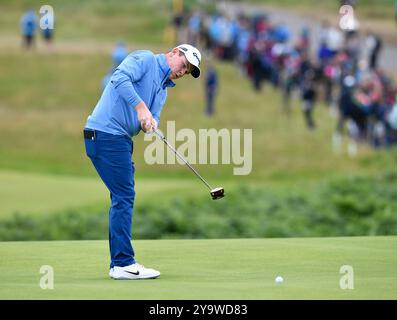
{"x":183,"y":159}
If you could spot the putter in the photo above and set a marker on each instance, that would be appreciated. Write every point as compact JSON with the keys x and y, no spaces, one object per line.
{"x":216,"y":193}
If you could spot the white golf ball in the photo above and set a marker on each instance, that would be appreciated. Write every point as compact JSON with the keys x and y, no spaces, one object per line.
{"x":279,"y":279}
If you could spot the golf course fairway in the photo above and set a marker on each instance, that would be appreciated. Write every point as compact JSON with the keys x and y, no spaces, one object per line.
{"x":312,"y":268}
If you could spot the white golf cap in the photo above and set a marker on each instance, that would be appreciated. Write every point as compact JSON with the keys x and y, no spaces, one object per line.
{"x":193,"y":56}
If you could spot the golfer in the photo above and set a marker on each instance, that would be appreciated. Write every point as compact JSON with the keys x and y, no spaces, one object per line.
{"x":132,"y":101}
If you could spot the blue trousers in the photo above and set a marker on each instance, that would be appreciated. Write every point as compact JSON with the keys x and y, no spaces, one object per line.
{"x":111,"y":156}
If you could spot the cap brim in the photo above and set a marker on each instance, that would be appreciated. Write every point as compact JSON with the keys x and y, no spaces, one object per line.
{"x":195,"y":72}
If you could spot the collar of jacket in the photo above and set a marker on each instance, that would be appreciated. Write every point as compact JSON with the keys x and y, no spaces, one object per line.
{"x":165,"y":71}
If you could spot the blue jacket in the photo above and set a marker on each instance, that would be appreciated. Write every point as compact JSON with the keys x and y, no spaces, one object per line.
{"x":29,"y":23}
{"x":141,"y":76}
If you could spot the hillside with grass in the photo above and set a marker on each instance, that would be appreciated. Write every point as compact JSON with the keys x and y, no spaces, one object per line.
{"x":45,"y":174}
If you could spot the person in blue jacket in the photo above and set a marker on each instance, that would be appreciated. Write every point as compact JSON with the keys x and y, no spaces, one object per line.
{"x":211,"y":86}
{"x":28,"y":28}
{"x":132,"y":101}
{"x":119,"y":53}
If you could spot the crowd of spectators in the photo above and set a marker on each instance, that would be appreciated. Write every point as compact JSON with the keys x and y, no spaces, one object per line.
{"x":340,"y":70}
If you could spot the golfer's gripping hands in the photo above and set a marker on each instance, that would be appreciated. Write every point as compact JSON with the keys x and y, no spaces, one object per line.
{"x":145,"y":118}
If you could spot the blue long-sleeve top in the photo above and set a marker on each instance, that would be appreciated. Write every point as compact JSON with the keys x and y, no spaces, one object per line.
{"x":142,"y":76}
{"x":29,"y":23}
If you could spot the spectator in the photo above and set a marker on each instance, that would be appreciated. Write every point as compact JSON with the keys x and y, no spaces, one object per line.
{"x":347,"y":83}
{"x":226,"y":38}
{"x":281,"y":33}
{"x":194,"y":25}
{"x":362,"y":105}
{"x":391,"y":125}
{"x":211,"y":88}
{"x":392,"y":117}
{"x":348,"y":2}
{"x":308,"y":98}
{"x":304,"y":39}
{"x":374,"y":45}
{"x":331,"y":74}
{"x":48,"y":35}
{"x":205,"y":36}
{"x":48,"y":31}
{"x":331,"y":41}
{"x":255,"y":62}
{"x":178,"y":17}
{"x":352,"y":47}
{"x":289,"y":77}
{"x":243,"y":36}
{"x":345,"y":101}
{"x":28,"y":28}
{"x":119,"y":54}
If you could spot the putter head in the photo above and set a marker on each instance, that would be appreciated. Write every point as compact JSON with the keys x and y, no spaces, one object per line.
{"x":217,"y":193}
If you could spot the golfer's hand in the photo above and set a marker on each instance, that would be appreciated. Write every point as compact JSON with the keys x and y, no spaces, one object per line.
{"x":144,"y":116}
{"x":147,"y":126}
{"x":154,"y":124}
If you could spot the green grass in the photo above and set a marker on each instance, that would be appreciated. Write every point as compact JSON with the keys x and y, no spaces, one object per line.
{"x":132,"y":21}
{"x":38,"y":193}
{"x":206,"y":269}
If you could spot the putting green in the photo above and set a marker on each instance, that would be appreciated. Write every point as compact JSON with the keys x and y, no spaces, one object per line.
{"x":206,"y":269}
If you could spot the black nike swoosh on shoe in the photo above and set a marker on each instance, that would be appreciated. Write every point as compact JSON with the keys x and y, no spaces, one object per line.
{"x":134,"y":273}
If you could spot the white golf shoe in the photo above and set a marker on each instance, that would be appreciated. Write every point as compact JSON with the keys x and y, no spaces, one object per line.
{"x":133,"y":272}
